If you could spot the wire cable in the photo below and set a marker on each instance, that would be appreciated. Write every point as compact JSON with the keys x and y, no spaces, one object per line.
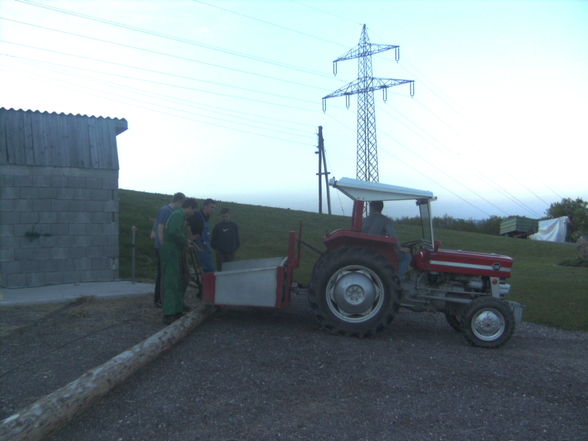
{"x":177,"y":86}
{"x":266,"y":22}
{"x":174,"y":38}
{"x":506,"y":193}
{"x":157,"y":107}
{"x":165,"y":54}
{"x":184,"y":77}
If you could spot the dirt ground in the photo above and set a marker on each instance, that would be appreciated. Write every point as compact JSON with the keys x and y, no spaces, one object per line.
{"x":250,"y":374}
{"x":44,"y":347}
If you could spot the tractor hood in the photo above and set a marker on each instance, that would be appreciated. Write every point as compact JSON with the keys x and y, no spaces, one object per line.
{"x":464,"y":262}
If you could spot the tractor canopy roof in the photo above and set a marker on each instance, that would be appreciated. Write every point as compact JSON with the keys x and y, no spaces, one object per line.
{"x":375,"y":191}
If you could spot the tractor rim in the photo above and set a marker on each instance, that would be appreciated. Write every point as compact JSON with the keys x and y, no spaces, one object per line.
{"x":355,"y":294}
{"x":488,"y":325}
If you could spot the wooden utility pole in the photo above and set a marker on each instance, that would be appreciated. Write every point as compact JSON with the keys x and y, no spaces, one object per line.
{"x":322,"y":163}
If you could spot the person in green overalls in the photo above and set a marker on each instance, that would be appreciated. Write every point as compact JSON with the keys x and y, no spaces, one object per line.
{"x":172,"y":253}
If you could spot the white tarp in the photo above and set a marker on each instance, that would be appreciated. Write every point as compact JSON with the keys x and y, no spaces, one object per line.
{"x":552,"y":230}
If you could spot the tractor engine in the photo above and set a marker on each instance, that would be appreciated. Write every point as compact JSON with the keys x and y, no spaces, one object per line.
{"x":454,"y":283}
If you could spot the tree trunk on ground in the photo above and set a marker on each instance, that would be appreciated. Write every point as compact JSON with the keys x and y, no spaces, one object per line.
{"x":52,"y":411}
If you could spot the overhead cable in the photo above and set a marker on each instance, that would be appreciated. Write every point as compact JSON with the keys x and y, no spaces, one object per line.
{"x":173,"y":38}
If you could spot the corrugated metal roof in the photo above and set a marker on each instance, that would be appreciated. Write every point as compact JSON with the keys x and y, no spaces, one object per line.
{"x":30,"y":137}
{"x":122,"y":121}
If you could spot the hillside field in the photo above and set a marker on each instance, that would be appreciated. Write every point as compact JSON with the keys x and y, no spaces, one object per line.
{"x":554,"y":295}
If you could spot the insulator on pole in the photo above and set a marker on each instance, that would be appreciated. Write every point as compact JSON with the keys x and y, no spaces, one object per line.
{"x":397,"y":54}
{"x":324,"y":105}
{"x":347,"y":101}
{"x":411,"y":89}
{"x":385,"y":94}
{"x":335,"y":68}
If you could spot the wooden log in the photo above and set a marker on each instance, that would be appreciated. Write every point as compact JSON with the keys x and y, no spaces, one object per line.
{"x":54,"y":410}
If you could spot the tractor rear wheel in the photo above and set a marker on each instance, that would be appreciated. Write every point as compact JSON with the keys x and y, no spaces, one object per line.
{"x":488,"y":322}
{"x":354,"y":291}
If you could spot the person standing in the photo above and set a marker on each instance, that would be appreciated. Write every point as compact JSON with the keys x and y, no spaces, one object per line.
{"x":225,"y":239}
{"x":205,"y":251}
{"x":172,"y":256}
{"x":157,"y":237}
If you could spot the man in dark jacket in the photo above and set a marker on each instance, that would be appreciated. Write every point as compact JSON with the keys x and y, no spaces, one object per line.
{"x":225,"y":239}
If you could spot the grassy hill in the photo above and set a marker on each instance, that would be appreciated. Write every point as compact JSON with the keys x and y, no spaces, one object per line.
{"x":554,"y":295}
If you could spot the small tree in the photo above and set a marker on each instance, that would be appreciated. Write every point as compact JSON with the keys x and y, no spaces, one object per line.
{"x":576,"y":210}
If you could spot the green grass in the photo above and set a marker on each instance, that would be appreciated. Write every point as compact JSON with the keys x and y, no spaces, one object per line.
{"x":553,"y":294}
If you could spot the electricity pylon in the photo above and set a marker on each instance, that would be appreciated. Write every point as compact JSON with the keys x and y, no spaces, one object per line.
{"x":364,"y":87}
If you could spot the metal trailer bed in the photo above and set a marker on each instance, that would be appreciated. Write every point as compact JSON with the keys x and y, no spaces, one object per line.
{"x":257,"y":282}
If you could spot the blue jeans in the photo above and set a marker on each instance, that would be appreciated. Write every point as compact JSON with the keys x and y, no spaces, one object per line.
{"x":404,"y":263}
{"x":206,"y":261}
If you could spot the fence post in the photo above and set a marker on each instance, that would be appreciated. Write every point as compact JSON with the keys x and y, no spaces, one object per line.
{"x":133,"y":252}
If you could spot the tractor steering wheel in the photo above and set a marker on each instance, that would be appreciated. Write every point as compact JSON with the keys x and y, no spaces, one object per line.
{"x":413,"y":245}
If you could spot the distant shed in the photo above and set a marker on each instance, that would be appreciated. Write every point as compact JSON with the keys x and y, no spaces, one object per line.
{"x":58,"y":198}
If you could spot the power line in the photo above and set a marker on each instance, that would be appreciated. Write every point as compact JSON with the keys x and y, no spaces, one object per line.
{"x":181,"y":114}
{"x":128,"y":66}
{"x":172,"y":38}
{"x":428,"y":177}
{"x":447,"y":102}
{"x":259,"y":20}
{"x":420,"y":172}
{"x":223,"y":67}
{"x":177,"y":86}
{"x":328,"y":13}
{"x":510,"y":196}
{"x":443,"y":147}
{"x":239,"y":121}
{"x":433,"y":167}
{"x":165,"y":54}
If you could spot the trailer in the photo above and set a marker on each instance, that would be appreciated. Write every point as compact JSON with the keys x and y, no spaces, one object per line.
{"x":263,"y":283}
{"x":520,"y":227}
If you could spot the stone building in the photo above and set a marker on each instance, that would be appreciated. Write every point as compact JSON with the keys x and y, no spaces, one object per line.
{"x":58,"y":198}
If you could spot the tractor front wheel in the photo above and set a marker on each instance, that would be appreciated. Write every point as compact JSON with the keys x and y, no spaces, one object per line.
{"x":354,"y":291}
{"x":488,"y":322}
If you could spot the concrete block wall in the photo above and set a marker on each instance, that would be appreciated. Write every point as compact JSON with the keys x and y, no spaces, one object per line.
{"x":57,"y":225}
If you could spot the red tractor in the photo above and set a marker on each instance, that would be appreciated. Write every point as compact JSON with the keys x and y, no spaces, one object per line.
{"x":356,"y":288}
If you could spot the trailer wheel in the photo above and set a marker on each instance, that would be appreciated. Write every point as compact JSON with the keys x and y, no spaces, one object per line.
{"x":354,"y":291}
{"x":488,"y":322}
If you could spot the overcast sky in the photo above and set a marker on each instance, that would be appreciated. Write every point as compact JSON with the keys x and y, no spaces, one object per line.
{"x":223,"y":98}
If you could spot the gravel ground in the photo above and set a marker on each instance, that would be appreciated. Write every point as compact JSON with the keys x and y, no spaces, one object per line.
{"x":272,"y":375}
